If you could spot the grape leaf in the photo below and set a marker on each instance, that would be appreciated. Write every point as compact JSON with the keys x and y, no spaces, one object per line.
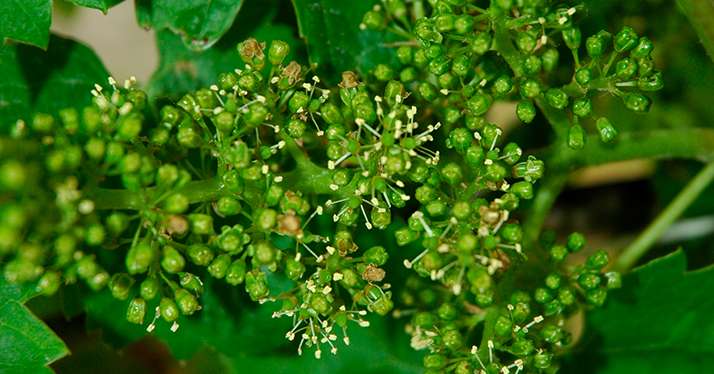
{"x":182,"y":69}
{"x":660,"y":321}
{"x":34,"y":80}
{"x":62,"y":76}
{"x":14,"y":93}
{"x":26,"y":343}
{"x":200,"y":22}
{"x":334,"y":40}
{"x":102,"y":5}
{"x":26,"y":21}
{"x":249,"y":338}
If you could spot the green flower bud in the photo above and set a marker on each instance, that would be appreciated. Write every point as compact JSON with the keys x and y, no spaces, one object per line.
{"x":266,"y":219}
{"x":149,"y":288}
{"x":169,"y":310}
{"x":576,"y":137}
{"x":479,"y":104}
{"x":200,"y":254}
{"x":294,"y":269}
{"x":201,"y":224}
{"x":532,"y":65}
{"x":636,"y":102}
{"x":614,"y":280}
{"x":523,"y":189}
{"x":256,"y":285}
{"x":172,"y":261}
{"x":576,"y":241}
{"x":512,"y":233}
{"x":120,"y":285}
{"x":598,"y":260}
{"x":626,"y":68}
{"x":572,"y":37}
{"x":49,"y":283}
{"x":651,"y":83}
{"x":373,"y":20}
{"x":186,"y":302}
{"x":643,"y":49}
{"x":228,"y":206}
{"x":278,"y":51}
{"x":626,"y":39}
{"x":376,"y":255}
{"x":526,"y":111}
{"x":140,"y":257}
{"x":556,"y":98}
{"x":136,"y":311}
{"x":95,"y":234}
{"x":550,"y":59}
{"x":597,"y":44}
{"x":558,"y":253}
{"x":176,"y":203}
{"x":530,"y":89}
{"x":589,"y":281}
{"x":582,"y":107}
{"x":608,"y":133}
{"x":480,"y":42}
{"x":236,"y":272}
{"x":596,"y":297}
{"x":129,"y":127}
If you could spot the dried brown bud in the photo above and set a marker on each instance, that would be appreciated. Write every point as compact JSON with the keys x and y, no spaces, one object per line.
{"x":251,"y":49}
{"x":175,"y":225}
{"x":289,"y":224}
{"x":349,"y":80}
{"x":292,"y":72}
{"x":373,"y":274}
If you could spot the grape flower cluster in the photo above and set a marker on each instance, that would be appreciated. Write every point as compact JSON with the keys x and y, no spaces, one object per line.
{"x":237,"y":181}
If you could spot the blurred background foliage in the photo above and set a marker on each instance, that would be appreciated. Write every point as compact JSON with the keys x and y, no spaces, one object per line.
{"x":609,"y":204}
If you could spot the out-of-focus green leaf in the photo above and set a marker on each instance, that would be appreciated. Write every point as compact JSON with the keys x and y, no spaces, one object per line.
{"x":61,"y":77}
{"x":14,"y":93}
{"x":659,"y":322}
{"x":102,"y":5}
{"x":249,"y":338}
{"x":334,"y":40}
{"x":200,"y":23}
{"x":26,"y":21}
{"x":46,"y":81}
{"x":701,"y":16}
{"x":182,"y":69}
{"x":27,"y":345}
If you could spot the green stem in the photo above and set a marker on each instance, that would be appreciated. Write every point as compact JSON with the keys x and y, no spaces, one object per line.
{"x":693,"y":143}
{"x":644,"y":242}
{"x":550,"y":188}
{"x":701,"y":15}
{"x":196,"y":191}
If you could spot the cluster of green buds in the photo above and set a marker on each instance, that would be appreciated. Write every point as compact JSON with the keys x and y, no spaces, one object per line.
{"x":462,"y":57}
{"x":266,"y":176}
{"x":225,"y":183}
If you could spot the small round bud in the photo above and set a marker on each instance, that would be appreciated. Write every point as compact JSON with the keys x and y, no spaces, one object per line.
{"x":136,"y":311}
{"x":169,"y":310}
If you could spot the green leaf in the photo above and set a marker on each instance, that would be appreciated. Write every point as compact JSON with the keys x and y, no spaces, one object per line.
{"x":334,"y":40}
{"x":249,"y":338}
{"x":102,"y":5}
{"x":14,"y":92}
{"x":660,"y":321}
{"x":26,"y":343}
{"x":701,"y":16}
{"x":26,"y":21}
{"x":199,"y":22}
{"x":181,"y":69}
{"x":46,"y":81}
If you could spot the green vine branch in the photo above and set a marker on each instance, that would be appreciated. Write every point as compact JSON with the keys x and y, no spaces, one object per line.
{"x":647,"y":238}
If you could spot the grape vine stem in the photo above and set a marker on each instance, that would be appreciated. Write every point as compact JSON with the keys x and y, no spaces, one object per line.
{"x":647,"y":238}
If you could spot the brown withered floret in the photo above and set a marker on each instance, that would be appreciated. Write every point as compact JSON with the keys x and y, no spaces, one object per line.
{"x":349,"y":80}
{"x":289,"y":224}
{"x":373,"y":274}
{"x":292,"y":72}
